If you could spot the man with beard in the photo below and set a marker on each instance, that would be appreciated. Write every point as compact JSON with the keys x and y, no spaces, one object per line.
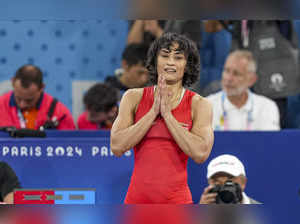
{"x":236,"y":107}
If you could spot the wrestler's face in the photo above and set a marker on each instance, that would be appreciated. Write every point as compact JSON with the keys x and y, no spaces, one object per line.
{"x":236,"y":78}
{"x":26,"y":98}
{"x":171,"y":64}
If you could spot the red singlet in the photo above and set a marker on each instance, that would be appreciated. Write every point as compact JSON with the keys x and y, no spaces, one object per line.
{"x":160,"y":169}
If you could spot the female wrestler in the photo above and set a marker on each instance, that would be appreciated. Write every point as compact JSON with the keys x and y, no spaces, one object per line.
{"x":165,"y":123}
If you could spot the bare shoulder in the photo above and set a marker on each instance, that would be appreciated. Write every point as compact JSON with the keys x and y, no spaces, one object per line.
{"x":133,"y":94}
{"x":200,"y":101}
{"x":201,"y":105}
{"x":132,"y":97}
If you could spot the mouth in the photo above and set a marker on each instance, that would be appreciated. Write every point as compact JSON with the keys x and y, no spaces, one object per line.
{"x":227,"y":86}
{"x":170,"y":70}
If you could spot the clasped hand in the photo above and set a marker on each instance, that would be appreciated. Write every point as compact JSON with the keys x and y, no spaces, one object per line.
{"x":162,"y":98}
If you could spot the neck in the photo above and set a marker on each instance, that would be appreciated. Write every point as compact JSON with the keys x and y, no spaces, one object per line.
{"x":239,"y":100}
{"x":176,"y":90}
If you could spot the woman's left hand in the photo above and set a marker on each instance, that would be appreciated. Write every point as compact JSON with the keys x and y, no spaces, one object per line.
{"x":165,"y":107}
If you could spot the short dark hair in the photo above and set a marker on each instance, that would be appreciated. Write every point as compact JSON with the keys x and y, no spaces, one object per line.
{"x":189,"y":49}
{"x":134,"y":54}
{"x":29,"y":74}
{"x":101,"y":98}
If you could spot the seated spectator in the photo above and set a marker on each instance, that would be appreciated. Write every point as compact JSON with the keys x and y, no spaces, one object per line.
{"x":221,"y":170}
{"x":101,"y":102}
{"x":28,"y":106}
{"x":274,"y":44}
{"x":133,"y":73}
{"x":8,"y":182}
{"x":236,"y":107}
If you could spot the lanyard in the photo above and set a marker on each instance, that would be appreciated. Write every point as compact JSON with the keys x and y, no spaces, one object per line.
{"x":224,"y":117}
{"x":21,"y":119}
{"x":245,"y":33}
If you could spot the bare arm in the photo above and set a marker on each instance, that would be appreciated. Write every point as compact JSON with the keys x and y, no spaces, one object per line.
{"x":124,"y":133}
{"x":198,"y":143}
{"x":153,"y":27}
{"x":136,"y":33}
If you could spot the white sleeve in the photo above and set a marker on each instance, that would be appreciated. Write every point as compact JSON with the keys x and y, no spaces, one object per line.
{"x":270,"y":118}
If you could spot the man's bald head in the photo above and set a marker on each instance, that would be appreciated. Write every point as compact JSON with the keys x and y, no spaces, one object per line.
{"x":28,"y":86}
{"x":28,"y":75}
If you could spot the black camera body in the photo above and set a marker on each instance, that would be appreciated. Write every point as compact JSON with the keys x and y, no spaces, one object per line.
{"x":229,"y":193}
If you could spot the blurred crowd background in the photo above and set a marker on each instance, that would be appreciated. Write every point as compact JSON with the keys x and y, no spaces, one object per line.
{"x":75,"y":54}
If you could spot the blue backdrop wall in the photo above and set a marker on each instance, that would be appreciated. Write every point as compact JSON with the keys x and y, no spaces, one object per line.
{"x":67,"y":51}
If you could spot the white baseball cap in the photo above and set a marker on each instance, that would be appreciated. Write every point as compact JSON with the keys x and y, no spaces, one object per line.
{"x":226,"y":163}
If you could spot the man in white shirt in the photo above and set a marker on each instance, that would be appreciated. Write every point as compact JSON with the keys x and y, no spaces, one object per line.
{"x":236,"y":107}
{"x":220,"y":170}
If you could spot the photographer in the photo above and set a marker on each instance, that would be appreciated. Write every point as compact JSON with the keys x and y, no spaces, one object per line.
{"x":8,"y":182}
{"x":227,"y":181}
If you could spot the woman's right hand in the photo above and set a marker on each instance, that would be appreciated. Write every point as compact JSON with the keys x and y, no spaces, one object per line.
{"x":156,"y":103}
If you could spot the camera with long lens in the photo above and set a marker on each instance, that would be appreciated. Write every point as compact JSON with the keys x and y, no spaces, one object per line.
{"x":229,"y":193}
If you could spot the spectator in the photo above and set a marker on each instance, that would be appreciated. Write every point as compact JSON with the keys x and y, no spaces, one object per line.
{"x":101,"y":107}
{"x":274,"y":45}
{"x":190,"y":28}
{"x":146,"y":31}
{"x":28,"y":106}
{"x":133,"y":73}
{"x":8,"y":182}
{"x":236,"y":107}
{"x":222,"y":169}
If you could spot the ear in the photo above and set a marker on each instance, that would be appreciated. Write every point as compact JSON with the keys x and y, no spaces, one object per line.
{"x":124,"y":65}
{"x":209,"y":181}
{"x":243,"y":182}
{"x":114,"y":109}
{"x":13,"y":79}
{"x":252,"y":79}
{"x":43,"y":87}
{"x":185,"y":68}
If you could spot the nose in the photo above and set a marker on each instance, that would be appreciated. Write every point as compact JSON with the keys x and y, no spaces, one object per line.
{"x":170,"y":61}
{"x":222,"y":180}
